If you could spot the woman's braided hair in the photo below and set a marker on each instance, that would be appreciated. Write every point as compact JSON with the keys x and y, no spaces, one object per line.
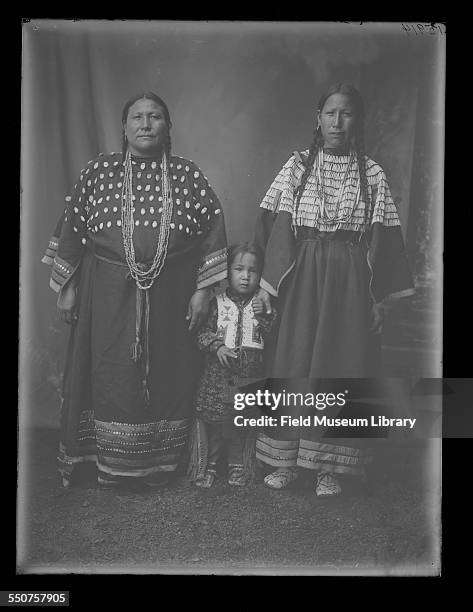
{"x":358,"y":142}
{"x":148,"y":95}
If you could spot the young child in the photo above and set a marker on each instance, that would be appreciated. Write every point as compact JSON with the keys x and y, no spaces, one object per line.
{"x":233,"y":342}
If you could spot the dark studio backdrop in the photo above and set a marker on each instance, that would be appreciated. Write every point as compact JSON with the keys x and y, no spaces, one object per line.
{"x":242,"y":98}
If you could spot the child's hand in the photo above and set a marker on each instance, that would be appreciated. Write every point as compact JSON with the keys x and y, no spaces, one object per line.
{"x":224,"y":354}
{"x":258,"y":306}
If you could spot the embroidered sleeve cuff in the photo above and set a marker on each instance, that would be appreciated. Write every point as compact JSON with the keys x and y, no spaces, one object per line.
{"x":213,"y":269}
{"x":50,"y":253}
{"x":61,"y":273}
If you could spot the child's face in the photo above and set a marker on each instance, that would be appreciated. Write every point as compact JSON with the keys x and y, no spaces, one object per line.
{"x":244,"y":274}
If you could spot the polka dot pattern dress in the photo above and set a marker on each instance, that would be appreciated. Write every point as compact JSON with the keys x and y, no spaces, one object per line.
{"x":93,"y":212}
{"x":105,"y":414}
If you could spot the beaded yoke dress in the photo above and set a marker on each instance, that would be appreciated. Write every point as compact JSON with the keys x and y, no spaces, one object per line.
{"x":327,"y":260}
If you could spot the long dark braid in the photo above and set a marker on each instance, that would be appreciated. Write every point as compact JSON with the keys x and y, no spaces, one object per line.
{"x":316,"y":143}
{"x":360,"y":156}
{"x":167,"y":144}
{"x":124,"y":144}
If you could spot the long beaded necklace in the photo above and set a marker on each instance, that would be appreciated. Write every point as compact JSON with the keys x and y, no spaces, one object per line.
{"x":322,"y":213}
{"x":142,"y":275}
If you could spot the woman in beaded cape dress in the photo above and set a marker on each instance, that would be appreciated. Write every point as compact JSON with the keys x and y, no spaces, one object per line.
{"x":134,"y":255}
{"x":333,"y":252}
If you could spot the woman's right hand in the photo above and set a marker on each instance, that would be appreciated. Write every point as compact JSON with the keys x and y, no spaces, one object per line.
{"x":377,"y":318}
{"x":66,"y":303}
{"x":264,"y":296}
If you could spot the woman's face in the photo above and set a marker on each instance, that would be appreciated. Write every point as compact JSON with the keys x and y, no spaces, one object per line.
{"x":337,"y":121}
{"x":145,"y":127}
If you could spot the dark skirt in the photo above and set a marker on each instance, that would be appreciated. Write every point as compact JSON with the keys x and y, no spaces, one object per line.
{"x":324,"y":333}
{"x":105,"y":418}
{"x":325,"y":306}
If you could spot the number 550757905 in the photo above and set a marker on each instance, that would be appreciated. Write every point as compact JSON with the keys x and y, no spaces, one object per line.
{"x":37,"y":598}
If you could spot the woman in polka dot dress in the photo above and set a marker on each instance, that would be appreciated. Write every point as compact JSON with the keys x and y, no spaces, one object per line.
{"x":134,"y":255}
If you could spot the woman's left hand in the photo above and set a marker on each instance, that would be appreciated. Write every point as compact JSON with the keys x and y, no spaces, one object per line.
{"x":377,"y":318}
{"x":198,"y":308}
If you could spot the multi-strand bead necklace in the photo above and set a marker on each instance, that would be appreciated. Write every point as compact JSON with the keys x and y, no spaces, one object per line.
{"x":322,"y":213}
{"x":144,"y":276}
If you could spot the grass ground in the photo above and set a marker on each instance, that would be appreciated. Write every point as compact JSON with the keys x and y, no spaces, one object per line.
{"x":388,"y":526}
